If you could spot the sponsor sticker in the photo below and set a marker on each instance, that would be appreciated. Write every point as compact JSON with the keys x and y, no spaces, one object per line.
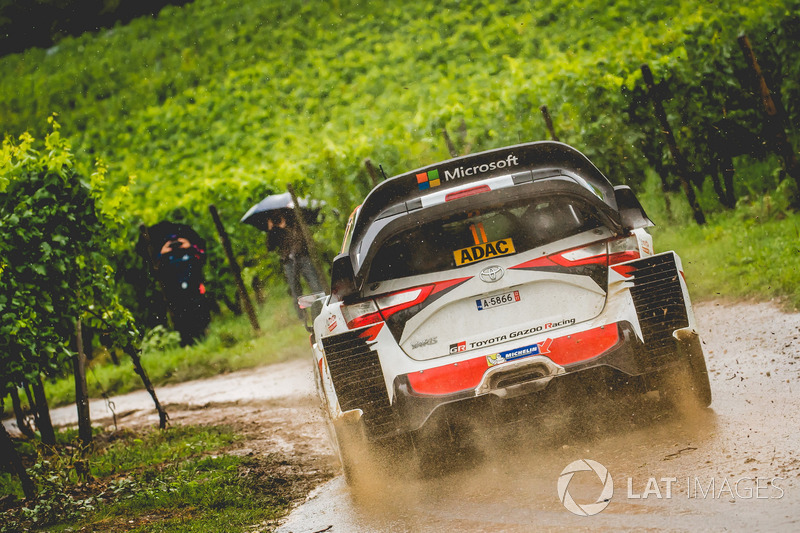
{"x":432,"y":178}
{"x":427,"y":342}
{"x":518,"y":353}
{"x":497,"y":300}
{"x":428,"y":180}
{"x":461,"y":172}
{"x":516,"y":334}
{"x":458,"y":347}
{"x":494,"y":359}
{"x":481,"y":252}
{"x":332,"y":323}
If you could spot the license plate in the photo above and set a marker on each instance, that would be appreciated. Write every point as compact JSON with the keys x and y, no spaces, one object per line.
{"x":497,"y":300}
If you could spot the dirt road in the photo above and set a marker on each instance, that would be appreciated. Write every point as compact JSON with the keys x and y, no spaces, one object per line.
{"x":276,"y":405}
{"x":735,"y":466}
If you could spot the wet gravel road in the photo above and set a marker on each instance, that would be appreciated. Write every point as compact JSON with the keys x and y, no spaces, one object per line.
{"x":732,"y":467}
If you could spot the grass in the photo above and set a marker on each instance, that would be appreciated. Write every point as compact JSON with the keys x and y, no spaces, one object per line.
{"x":179,"y":479}
{"x":176,"y":444}
{"x":230,"y":345}
{"x":752,"y":252}
{"x":730,"y":258}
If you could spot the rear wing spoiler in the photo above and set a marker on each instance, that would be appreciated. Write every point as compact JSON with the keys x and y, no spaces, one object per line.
{"x":525,"y":162}
{"x":528,"y":165}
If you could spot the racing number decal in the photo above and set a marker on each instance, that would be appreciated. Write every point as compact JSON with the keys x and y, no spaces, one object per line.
{"x":479,"y":239}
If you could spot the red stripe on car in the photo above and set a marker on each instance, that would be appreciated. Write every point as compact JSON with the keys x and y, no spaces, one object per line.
{"x":371,"y":333}
{"x":465,"y":375}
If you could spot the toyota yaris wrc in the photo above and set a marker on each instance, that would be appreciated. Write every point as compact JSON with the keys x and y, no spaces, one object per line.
{"x":496,"y":275}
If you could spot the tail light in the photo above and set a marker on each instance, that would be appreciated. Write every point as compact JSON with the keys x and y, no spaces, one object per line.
{"x":622,"y":250}
{"x":466,"y":192}
{"x":587,"y":255}
{"x":599,"y":253}
{"x":397,"y":301}
{"x":619,"y":251}
{"x":380,"y":308}
{"x":361,"y":314}
{"x":373,"y":311}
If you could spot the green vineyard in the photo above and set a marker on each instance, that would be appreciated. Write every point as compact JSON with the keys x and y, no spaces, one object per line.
{"x":225,"y":103}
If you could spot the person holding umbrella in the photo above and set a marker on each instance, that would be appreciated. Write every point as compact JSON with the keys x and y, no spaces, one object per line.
{"x":276,"y":214}
{"x":285,"y":237}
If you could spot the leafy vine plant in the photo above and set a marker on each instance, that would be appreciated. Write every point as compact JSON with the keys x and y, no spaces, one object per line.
{"x":56,"y":271}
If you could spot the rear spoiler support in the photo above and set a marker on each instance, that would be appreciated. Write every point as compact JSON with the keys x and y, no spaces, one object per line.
{"x":631,"y":212}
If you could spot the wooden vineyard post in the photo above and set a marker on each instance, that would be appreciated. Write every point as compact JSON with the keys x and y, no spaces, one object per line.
{"x":82,"y":403}
{"x":235,"y":270}
{"x":462,"y":133}
{"x":774,"y":114}
{"x":681,"y":163}
{"x":43,"y":421}
{"x":81,"y":389}
{"x":19,"y":414}
{"x":312,"y":249}
{"x":548,"y":122}
{"x":133,"y":353}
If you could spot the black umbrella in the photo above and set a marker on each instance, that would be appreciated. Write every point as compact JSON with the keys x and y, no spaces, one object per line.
{"x":165,"y":231}
{"x":280,"y":205}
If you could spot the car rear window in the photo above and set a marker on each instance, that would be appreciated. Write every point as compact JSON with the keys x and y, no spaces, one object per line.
{"x":469,"y":237}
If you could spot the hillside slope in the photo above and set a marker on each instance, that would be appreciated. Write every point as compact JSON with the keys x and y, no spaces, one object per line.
{"x":224,"y":102}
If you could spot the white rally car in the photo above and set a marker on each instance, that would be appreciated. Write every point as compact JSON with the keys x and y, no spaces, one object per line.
{"x":495,"y":275}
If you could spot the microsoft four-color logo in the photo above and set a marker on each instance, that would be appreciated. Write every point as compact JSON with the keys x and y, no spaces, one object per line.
{"x":427,"y":180}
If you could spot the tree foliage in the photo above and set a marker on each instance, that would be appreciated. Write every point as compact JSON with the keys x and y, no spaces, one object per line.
{"x":53,"y":258}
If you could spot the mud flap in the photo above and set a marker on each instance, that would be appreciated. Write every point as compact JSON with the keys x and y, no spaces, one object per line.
{"x":691,"y":351}
{"x":352,"y":446}
{"x":685,"y":383}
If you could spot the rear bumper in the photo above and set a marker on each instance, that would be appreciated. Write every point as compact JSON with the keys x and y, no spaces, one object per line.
{"x":532,"y":374}
{"x":649,"y":306}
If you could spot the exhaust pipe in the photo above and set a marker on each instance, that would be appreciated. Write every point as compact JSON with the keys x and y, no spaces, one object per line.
{"x":519,"y":377}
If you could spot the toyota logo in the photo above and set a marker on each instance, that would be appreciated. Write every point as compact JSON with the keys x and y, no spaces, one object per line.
{"x":492,"y":273}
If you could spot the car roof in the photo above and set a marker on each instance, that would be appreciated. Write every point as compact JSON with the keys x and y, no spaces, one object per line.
{"x":524,"y":162}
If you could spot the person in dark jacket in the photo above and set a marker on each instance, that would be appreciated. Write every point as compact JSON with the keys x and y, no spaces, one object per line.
{"x":285,"y":237}
{"x":177,"y":255}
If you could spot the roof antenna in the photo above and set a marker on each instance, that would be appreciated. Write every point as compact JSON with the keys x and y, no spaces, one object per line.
{"x":385,"y":177}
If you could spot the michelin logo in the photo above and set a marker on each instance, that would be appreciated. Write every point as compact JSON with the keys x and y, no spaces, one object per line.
{"x":539,"y":348}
